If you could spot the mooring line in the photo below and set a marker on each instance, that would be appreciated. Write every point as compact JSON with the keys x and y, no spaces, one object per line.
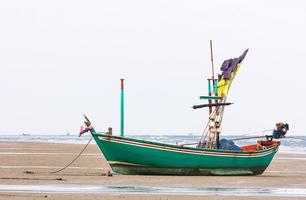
{"x":54,"y":172}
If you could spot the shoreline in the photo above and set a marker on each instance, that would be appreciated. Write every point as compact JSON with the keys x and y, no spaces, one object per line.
{"x":281,"y":151}
{"x":30,"y":163}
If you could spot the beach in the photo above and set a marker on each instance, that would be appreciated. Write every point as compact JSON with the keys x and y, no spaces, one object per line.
{"x":31,"y":163}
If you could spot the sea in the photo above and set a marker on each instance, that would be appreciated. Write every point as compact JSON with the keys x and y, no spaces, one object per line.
{"x":296,"y":144}
{"x":291,"y":145}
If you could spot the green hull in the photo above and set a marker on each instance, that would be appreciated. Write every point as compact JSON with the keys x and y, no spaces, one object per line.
{"x":132,"y":156}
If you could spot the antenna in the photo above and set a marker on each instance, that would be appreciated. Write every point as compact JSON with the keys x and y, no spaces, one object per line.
{"x":212,"y":60}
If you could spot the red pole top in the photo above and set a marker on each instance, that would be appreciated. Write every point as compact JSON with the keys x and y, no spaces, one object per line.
{"x":122,"y":83}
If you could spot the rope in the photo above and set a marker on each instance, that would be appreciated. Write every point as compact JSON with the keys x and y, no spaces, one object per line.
{"x":246,"y":138}
{"x":292,"y":137}
{"x":258,"y":132}
{"x":73,"y":159}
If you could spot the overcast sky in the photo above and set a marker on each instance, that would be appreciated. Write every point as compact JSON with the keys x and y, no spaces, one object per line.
{"x":60,"y":58}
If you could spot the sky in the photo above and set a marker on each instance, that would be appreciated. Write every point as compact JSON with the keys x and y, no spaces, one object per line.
{"x":62,"y":58}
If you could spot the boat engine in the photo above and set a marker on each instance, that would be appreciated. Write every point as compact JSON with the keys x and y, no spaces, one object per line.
{"x":279,"y":132}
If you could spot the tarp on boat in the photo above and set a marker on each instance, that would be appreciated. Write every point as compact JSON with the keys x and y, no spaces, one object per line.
{"x":228,"y":145}
{"x":229,"y":70}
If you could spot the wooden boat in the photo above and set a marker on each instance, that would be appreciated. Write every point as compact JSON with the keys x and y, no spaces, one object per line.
{"x":210,"y":157}
{"x":132,"y":156}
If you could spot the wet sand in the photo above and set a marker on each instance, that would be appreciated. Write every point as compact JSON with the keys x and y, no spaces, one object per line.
{"x":31,"y":163}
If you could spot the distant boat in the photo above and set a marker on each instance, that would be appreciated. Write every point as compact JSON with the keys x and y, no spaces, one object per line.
{"x":211,"y":156}
{"x":190,"y":134}
{"x":25,"y":134}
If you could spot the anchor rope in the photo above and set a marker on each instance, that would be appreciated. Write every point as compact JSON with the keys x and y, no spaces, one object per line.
{"x":54,"y":172}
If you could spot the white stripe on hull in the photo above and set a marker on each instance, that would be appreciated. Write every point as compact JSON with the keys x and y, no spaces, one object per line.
{"x":187,"y":151}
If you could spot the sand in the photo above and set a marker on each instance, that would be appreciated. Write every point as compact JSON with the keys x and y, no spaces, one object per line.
{"x":31,"y":163}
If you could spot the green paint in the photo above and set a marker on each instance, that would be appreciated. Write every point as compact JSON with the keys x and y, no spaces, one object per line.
{"x":141,"y":159}
{"x":215,"y":86}
{"x":210,"y":97}
{"x":209,"y":87}
{"x":122,"y":113}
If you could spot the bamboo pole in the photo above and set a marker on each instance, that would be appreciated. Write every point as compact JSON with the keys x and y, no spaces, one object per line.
{"x":212,"y":60}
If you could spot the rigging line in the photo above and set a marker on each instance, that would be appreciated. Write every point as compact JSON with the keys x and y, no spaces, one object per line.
{"x":292,"y":137}
{"x":247,"y":138}
{"x":204,"y":133}
{"x":73,"y":159}
{"x":222,"y":110}
{"x":257,"y":132}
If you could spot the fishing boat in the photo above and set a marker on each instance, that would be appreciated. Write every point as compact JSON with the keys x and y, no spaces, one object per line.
{"x":209,"y":156}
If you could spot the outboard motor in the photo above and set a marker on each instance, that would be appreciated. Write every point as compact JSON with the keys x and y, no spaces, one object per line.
{"x":279,"y":132}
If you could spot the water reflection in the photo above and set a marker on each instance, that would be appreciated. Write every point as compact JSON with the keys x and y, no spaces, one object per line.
{"x":224,"y":191}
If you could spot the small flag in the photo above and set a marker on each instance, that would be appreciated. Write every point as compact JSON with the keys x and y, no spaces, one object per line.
{"x":84,"y":130}
{"x":81,"y":131}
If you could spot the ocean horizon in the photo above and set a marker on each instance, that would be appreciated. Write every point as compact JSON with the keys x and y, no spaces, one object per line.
{"x":292,"y":144}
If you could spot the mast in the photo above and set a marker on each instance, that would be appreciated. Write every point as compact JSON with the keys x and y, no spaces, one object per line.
{"x":216,"y":125}
{"x":211,"y":133}
{"x":212,"y":61}
{"x":212,"y":78}
{"x":219,"y":89}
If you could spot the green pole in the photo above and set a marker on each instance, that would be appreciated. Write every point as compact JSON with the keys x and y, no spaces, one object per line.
{"x":209,"y":87}
{"x":216,"y":87}
{"x":122,"y":109}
